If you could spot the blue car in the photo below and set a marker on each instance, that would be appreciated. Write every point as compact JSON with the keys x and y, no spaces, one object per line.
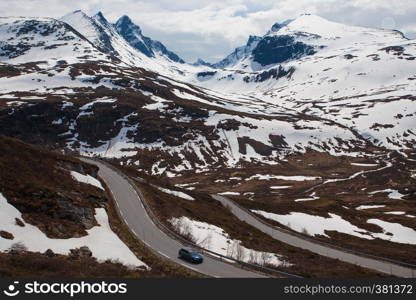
{"x":190,"y":255}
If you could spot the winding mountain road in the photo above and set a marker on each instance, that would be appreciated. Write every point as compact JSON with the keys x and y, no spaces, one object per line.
{"x":135,"y":216}
{"x":298,"y":241}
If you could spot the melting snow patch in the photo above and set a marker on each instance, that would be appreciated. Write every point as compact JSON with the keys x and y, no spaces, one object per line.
{"x":289,"y":178}
{"x":88,"y":179}
{"x":280,"y":187}
{"x":393,"y":194}
{"x":364,"y":165}
{"x":57,"y":122}
{"x":101,"y":240}
{"x":311,"y":198}
{"x":398,"y":232}
{"x":229,"y":193}
{"x":216,"y":239}
{"x":176,"y":193}
{"x":98,"y":100}
{"x":16,"y":103}
{"x":361,"y":207}
{"x":315,"y":225}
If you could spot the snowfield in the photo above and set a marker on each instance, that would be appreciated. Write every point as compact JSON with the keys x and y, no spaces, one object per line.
{"x":101,"y":240}
{"x":317,"y":225}
{"x":88,"y":179}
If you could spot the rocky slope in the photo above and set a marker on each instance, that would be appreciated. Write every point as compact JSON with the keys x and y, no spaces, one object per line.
{"x":39,"y":184}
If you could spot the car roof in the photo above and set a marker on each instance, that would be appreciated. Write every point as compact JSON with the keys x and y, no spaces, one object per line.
{"x":189,"y":249}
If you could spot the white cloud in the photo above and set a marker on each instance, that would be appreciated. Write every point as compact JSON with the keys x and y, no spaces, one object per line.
{"x":221,"y":25}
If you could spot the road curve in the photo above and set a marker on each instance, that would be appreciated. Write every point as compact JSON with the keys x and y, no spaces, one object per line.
{"x":136,"y":218}
{"x":297,"y":241}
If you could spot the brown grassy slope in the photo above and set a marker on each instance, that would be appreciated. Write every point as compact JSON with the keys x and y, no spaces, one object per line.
{"x":38,"y":183}
{"x":31,"y":264}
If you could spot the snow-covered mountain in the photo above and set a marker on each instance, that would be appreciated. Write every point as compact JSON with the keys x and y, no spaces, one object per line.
{"x":30,"y":40}
{"x":300,"y":37}
{"x":239,"y":53}
{"x":125,"y":42}
{"x":344,"y":73}
{"x":133,"y":35}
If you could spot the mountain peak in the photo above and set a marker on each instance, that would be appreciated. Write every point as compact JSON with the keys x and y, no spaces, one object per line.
{"x":277,"y":26}
{"x":311,"y":24}
{"x":100,"y":18}
{"x":124,"y":24}
{"x":252,"y":39}
{"x":132,"y":33}
{"x":76,"y":13}
{"x":125,"y":19}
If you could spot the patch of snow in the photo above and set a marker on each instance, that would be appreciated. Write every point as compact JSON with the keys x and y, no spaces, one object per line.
{"x":176,"y":193}
{"x":311,"y":198}
{"x":280,"y":187}
{"x":393,"y":194}
{"x":98,"y":100}
{"x":400,"y":233}
{"x":229,"y":193}
{"x":289,"y":178}
{"x":220,"y":180}
{"x":315,"y":225}
{"x":15,"y":103}
{"x":361,"y":207}
{"x":88,"y":179}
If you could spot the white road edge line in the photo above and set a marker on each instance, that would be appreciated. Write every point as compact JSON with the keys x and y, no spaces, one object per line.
{"x":163,"y":254}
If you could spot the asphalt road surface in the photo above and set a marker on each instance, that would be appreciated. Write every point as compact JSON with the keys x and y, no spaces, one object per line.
{"x":370,"y":263}
{"x":137,"y":219}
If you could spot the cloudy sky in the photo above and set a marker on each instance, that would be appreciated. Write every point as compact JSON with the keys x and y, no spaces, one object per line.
{"x":211,"y":29}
